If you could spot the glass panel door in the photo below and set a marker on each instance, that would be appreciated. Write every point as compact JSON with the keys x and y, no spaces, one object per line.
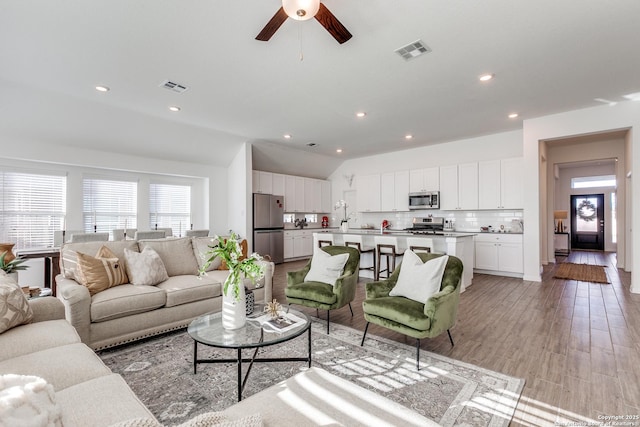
{"x":587,"y":222}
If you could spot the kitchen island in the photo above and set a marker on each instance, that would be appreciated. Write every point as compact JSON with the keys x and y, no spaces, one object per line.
{"x":451,"y":243}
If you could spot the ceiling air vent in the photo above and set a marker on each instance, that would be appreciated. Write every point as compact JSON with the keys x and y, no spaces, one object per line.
{"x":413,"y":50}
{"x":176,"y":87}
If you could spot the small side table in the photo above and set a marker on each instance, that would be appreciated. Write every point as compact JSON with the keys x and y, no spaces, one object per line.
{"x":51,"y":264}
{"x":564,"y":252}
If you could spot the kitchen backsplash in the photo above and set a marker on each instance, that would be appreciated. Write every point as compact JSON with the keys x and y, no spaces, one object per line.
{"x":463,"y":220}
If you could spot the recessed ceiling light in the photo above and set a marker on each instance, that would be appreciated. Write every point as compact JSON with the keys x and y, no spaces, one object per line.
{"x":486,"y":77}
{"x":361,"y":114}
{"x":102,"y":89}
{"x":513,"y":115}
{"x":287,"y":136}
{"x":408,"y":136}
{"x":339,"y":150}
{"x":632,"y":96}
{"x":174,"y":108}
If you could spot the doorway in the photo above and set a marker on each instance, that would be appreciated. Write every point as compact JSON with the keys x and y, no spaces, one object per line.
{"x":587,"y":222}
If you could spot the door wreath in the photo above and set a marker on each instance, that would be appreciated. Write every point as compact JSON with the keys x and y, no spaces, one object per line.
{"x":587,"y":211}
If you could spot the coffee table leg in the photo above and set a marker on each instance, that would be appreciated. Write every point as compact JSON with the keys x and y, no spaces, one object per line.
{"x":195,"y":355}
{"x":309,"y":347}
{"x":239,"y":375}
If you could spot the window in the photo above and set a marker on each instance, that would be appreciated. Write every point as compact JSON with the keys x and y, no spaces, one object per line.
{"x":109,"y":204}
{"x":32,"y":207}
{"x":170,"y":207}
{"x":593,"y":181}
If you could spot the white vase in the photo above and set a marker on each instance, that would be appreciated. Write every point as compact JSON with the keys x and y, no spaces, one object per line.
{"x":344,"y":227}
{"x":234,"y":314}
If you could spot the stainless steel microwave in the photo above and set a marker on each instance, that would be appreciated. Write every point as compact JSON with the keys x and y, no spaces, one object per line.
{"x":424,"y":200}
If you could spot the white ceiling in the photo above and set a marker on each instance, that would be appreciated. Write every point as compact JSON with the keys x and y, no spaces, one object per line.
{"x":548,"y":56}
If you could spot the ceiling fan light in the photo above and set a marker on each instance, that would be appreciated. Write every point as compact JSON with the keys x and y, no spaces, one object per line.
{"x":301,"y":10}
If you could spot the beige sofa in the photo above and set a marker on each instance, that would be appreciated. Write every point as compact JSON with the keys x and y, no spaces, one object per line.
{"x":128,"y":312}
{"x":86,"y":391}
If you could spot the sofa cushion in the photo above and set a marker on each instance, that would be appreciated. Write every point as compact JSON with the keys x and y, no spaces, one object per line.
{"x":125,"y":300}
{"x":185,"y":289}
{"x":145,"y":268}
{"x":200,"y":249}
{"x":100,"y":272}
{"x":61,"y":366}
{"x":176,"y":254}
{"x":14,"y":308}
{"x":35,"y":337}
{"x":110,"y":401}
{"x":400,"y":310}
{"x":68,"y":257}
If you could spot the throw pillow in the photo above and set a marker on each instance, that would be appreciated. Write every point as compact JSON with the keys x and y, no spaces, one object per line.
{"x":200,"y":248}
{"x":14,"y":307}
{"x":417,"y":280}
{"x":28,"y":400}
{"x":100,"y":272}
{"x":326,"y":268}
{"x":145,"y":268}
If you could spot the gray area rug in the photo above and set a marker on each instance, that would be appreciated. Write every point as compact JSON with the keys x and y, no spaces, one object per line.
{"x":452,"y":393}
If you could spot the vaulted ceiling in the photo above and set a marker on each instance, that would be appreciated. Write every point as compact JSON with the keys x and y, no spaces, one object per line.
{"x":546,"y":56}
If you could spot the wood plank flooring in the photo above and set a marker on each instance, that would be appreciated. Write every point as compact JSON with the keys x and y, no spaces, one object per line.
{"x":577,"y":344}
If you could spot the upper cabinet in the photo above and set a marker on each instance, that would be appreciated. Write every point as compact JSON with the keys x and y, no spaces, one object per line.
{"x":459,"y":187}
{"x":278,"y":184}
{"x":394,"y":191}
{"x":312,"y":195}
{"x":326,"y":203}
{"x":304,"y":195}
{"x":421,"y":180}
{"x":368,"y":193}
{"x":262,"y":182}
{"x":500,"y":184}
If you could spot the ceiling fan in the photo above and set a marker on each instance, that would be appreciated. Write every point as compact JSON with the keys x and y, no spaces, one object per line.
{"x":302,"y":10}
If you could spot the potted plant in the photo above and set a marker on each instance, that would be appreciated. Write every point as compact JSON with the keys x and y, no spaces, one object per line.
{"x":13,"y":266}
{"x":233,"y":293}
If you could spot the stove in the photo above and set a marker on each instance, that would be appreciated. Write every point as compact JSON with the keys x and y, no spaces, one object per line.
{"x":429,"y":225}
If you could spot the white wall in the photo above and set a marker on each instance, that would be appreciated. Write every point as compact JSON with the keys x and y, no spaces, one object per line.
{"x":239,"y":196}
{"x":624,"y":115}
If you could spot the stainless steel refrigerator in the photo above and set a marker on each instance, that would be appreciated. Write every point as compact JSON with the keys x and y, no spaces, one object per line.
{"x":268,"y":226}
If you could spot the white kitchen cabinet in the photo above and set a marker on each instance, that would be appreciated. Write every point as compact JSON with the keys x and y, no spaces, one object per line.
{"x":427,"y":179}
{"x":278,"y":184}
{"x":368,"y":193}
{"x":499,"y":253}
{"x":302,"y":243}
{"x":299,"y":201}
{"x":500,"y":184}
{"x":262,"y":182}
{"x":326,"y":204}
{"x":394,"y":191}
{"x":459,"y":187}
{"x":288,"y":244}
{"x":312,"y":195}
{"x":289,"y":193}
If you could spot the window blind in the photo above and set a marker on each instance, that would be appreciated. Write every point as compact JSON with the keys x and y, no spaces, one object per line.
{"x":109,"y":204}
{"x":32,"y":207}
{"x":170,"y":206}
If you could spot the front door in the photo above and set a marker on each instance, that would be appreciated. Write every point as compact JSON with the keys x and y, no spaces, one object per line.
{"x":587,"y":222}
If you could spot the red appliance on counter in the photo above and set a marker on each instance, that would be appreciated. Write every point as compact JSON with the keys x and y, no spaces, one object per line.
{"x":325,"y":221}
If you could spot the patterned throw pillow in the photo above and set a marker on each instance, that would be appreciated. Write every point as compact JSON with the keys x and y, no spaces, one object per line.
{"x":14,"y":307}
{"x":145,"y":268}
{"x":100,"y":272}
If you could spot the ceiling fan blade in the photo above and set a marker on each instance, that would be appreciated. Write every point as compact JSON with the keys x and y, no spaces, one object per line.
{"x":331,"y":24}
{"x":272,"y":26}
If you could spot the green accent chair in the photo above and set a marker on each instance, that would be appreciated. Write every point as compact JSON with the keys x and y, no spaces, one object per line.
{"x":412,"y":318}
{"x":321,"y":295}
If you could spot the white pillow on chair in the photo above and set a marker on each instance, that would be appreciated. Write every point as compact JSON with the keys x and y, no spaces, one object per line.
{"x":418,"y":281}
{"x":326,"y":268}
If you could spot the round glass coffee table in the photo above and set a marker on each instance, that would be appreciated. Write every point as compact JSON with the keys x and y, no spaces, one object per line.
{"x":208,"y":330}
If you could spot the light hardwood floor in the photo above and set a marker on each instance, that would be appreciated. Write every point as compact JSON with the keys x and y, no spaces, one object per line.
{"x":576,"y":344}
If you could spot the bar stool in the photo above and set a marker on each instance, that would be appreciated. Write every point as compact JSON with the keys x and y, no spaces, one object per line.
{"x":355,"y":240}
{"x":327,"y":240}
{"x":387,"y":246}
{"x":420,"y":244}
